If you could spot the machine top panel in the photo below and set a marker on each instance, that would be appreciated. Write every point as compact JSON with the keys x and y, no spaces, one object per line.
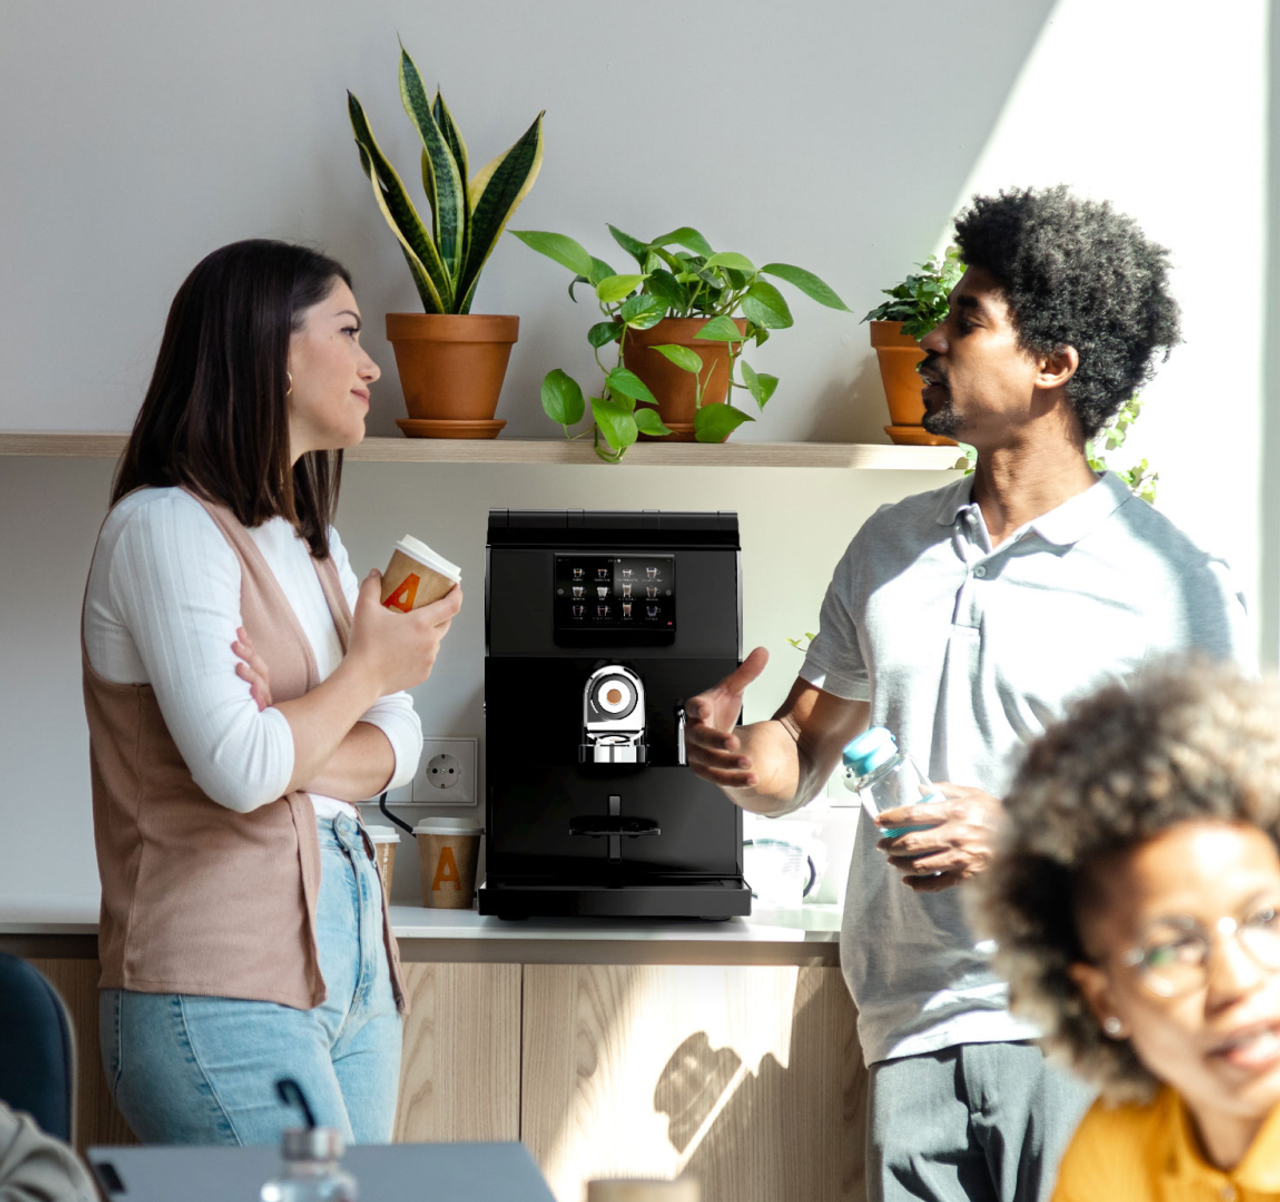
{"x":587,"y":527}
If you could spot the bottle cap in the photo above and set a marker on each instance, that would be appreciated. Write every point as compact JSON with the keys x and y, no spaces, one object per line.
{"x":312,"y":1143}
{"x":875,"y":746}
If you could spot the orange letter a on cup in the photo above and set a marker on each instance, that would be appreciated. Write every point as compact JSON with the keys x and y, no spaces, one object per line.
{"x":402,"y":598}
{"x":446,"y":870}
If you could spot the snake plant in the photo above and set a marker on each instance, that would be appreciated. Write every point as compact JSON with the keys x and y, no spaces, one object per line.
{"x":467,"y":217}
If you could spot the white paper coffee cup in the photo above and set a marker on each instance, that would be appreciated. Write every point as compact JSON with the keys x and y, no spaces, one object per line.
{"x":385,"y":840}
{"x":448,"y":853}
{"x":416,"y":576}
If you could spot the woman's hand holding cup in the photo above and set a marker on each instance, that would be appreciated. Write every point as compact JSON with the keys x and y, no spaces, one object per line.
{"x":398,"y":649}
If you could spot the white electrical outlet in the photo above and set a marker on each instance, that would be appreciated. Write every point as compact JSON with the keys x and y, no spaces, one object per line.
{"x":446,"y":773}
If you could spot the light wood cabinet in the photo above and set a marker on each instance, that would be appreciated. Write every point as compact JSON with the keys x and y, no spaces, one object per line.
{"x":749,"y":1078}
{"x":460,"y":1071}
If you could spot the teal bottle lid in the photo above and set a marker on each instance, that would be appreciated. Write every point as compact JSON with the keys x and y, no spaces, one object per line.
{"x":875,"y":746}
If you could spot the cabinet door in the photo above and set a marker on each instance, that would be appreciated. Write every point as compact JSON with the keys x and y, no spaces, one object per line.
{"x":749,"y":1078}
{"x":460,"y":1070}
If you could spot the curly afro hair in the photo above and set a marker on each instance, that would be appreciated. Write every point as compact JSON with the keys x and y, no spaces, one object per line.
{"x":1187,"y":740}
{"x":1076,"y":273}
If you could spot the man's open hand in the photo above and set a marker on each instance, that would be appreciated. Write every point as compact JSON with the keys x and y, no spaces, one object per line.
{"x":710,"y":744}
{"x":953,"y":850}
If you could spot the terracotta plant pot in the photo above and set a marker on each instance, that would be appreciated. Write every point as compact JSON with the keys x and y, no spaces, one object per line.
{"x":898,"y":354}
{"x":677,"y":390}
{"x":451,"y":365}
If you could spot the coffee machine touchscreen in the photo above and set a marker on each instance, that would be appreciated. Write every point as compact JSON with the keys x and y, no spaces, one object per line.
{"x":616,"y":594}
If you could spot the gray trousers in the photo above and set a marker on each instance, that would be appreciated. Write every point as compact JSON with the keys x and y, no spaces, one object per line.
{"x":982,"y":1122}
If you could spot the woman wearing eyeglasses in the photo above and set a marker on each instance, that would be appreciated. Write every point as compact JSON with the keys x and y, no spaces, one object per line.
{"x":1135,"y":900}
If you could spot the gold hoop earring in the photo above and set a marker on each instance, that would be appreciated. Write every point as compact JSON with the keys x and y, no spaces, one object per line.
{"x":289,"y":377}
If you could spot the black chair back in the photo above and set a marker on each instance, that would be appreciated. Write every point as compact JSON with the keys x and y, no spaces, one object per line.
{"x":37,"y":1053}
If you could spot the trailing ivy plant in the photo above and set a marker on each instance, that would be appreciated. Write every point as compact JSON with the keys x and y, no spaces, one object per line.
{"x":1140,"y":478}
{"x":920,"y":302}
{"x":676,"y":275}
{"x":467,"y":216}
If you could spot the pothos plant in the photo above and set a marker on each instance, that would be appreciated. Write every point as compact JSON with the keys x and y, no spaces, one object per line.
{"x":677,"y":275}
{"x":1140,"y":478}
{"x":920,"y":302}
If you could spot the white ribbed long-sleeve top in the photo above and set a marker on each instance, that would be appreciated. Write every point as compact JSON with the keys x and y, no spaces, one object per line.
{"x":163,"y":607}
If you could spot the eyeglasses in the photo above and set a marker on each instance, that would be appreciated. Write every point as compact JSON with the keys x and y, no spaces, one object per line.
{"x":1174,"y":956}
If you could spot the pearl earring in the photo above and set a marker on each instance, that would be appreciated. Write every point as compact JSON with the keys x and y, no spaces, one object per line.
{"x":1112,"y":1026}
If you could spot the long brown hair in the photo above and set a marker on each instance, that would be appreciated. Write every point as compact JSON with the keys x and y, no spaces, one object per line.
{"x":215,"y":418}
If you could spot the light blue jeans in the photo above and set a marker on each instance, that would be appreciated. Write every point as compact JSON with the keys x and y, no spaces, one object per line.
{"x":185,"y":1069}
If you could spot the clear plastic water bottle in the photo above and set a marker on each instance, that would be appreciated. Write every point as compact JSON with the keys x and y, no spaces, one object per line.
{"x":311,"y":1172}
{"x":885,"y":777}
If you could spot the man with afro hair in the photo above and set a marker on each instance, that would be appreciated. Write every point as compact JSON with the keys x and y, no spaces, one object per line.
{"x":964,"y":620}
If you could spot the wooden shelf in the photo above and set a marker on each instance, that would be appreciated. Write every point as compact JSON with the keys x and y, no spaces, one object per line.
{"x":884,"y":456}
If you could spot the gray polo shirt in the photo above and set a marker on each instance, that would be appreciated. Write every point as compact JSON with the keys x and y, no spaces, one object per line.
{"x":966,"y":654}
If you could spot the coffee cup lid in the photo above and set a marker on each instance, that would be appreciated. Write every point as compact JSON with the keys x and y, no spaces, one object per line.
{"x":449,"y":826}
{"x":416,"y":549}
{"x":381,"y":834}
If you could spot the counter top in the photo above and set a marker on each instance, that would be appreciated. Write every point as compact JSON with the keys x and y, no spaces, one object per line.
{"x":802,"y":935}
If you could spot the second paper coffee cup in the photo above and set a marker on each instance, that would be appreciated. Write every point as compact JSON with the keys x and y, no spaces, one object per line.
{"x":416,"y":576}
{"x":385,"y":841}
{"x":448,"y":852}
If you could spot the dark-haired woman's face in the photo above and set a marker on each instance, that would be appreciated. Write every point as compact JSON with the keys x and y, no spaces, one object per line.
{"x":1216,"y":1040}
{"x":331,"y":374}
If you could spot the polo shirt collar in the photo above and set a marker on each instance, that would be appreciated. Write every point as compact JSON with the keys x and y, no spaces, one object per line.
{"x":1258,"y":1171}
{"x":1068,"y":523}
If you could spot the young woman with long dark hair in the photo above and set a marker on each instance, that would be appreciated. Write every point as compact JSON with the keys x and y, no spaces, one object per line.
{"x":242,"y":690}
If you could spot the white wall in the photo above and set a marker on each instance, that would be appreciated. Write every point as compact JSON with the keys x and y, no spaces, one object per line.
{"x":838,"y":135}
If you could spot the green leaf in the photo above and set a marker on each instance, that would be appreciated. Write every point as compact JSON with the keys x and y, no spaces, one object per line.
{"x":633,"y":246}
{"x":686,"y":235}
{"x":613,"y":288}
{"x":759,"y":385}
{"x":653,"y":261}
{"x":562,"y":398}
{"x":682,"y":356}
{"x":667,"y":289}
{"x":764,"y":305}
{"x":720,"y":329}
{"x":714,"y":423}
{"x":445,"y":184}
{"x":732,"y":260}
{"x":458,"y":149}
{"x":604,"y":332}
{"x":615,"y":422}
{"x":494,"y":195}
{"x":622,"y":382}
{"x":643,"y":312}
{"x":433,"y":282}
{"x":648,"y":421}
{"x":560,"y":247}
{"x":600,"y":270}
{"x":452,"y":135}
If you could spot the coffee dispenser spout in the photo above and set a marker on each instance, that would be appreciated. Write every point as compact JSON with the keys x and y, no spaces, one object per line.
{"x":613,"y":717}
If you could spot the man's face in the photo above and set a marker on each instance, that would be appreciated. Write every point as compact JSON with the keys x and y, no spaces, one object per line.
{"x":979,"y":383}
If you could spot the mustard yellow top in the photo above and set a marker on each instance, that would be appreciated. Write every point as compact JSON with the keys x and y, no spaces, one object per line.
{"x":1149,"y":1153}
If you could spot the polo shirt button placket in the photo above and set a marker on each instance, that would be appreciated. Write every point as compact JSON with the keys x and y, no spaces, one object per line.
{"x":1228,"y":1193}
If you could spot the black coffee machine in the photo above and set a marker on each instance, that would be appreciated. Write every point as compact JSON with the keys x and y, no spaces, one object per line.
{"x":597,"y":627}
